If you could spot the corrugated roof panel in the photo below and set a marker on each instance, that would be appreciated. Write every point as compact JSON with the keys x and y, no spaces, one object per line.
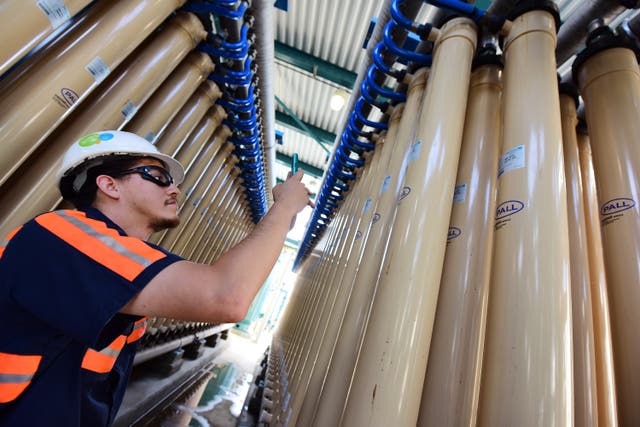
{"x":332,"y":30}
{"x":307,"y":96}
{"x":307,"y":148}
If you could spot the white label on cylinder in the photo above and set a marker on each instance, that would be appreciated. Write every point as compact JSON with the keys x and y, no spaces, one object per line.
{"x":55,"y":11}
{"x":367,"y":206}
{"x":150,"y":136}
{"x":512,"y":159}
{"x":286,"y":421}
{"x":385,"y":184}
{"x":98,"y":69}
{"x":460,"y":193}
{"x":129,"y":110}
{"x":415,"y":151}
{"x":286,"y":399}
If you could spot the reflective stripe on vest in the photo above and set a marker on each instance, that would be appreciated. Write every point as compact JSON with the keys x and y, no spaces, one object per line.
{"x":139,"y":328}
{"x":102,"y":361}
{"x":16,"y":372}
{"x":5,"y":242}
{"x":124,"y":255}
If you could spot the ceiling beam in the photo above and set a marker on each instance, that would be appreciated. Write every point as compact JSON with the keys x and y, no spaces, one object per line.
{"x":306,"y":167}
{"x":314,"y":65}
{"x":320,"y":135}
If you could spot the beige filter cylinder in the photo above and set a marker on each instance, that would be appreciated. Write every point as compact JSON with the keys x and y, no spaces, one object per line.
{"x":313,"y":294}
{"x":203,"y":162}
{"x":527,"y":371}
{"x":188,"y":237}
{"x":214,"y":222}
{"x":335,"y":287}
{"x":33,"y":188}
{"x":37,"y":20}
{"x":199,"y":136}
{"x":188,"y":117}
{"x":584,"y":367}
{"x":452,"y":380}
{"x":209,"y":176}
{"x":605,"y":376}
{"x":303,"y":347}
{"x":389,"y":374}
{"x":229,"y":235}
{"x":301,"y":301}
{"x":60,"y":84}
{"x":219,"y":224}
{"x":610,"y":86}
{"x":167,"y":100}
{"x":319,"y":259}
{"x":226,"y":191}
{"x":351,"y":260}
{"x":363,"y":280}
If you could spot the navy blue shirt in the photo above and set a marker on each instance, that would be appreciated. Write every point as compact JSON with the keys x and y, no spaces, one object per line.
{"x":65,"y":351}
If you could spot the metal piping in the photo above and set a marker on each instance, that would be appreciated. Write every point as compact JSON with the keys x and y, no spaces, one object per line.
{"x":149,"y":353}
{"x":573,"y":32}
{"x":501,"y":7}
{"x":265,"y":59}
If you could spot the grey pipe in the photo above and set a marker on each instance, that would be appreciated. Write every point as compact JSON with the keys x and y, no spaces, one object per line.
{"x":573,"y":32}
{"x":501,"y":7}
{"x":265,"y":59}
{"x":149,"y":353}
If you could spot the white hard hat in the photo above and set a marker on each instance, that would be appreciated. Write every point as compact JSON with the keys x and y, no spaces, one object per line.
{"x":107,"y":143}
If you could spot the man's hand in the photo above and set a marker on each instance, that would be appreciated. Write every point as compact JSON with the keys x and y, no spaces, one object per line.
{"x":292,"y":195}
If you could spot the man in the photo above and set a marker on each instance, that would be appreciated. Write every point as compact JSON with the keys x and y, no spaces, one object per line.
{"x":75,"y":285}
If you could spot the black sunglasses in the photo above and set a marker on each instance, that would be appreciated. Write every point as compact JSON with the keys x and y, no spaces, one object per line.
{"x":155,"y":174}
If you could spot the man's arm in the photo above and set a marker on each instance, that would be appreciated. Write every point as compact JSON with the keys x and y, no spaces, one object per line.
{"x":223,"y":291}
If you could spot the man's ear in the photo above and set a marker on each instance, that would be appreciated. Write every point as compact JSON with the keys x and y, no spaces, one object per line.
{"x":108,"y":185}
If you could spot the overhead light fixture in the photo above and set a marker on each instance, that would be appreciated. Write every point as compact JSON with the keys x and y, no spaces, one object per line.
{"x":338,"y":99}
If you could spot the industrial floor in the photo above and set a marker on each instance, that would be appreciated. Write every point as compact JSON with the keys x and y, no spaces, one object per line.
{"x":245,"y":355}
{"x":217,"y":399}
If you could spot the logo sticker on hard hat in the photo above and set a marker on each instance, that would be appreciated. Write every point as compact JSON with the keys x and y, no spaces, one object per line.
{"x":94,"y":138}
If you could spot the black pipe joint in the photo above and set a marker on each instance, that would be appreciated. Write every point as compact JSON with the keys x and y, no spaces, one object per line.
{"x":599,"y":39}
{"x":568,"y":88}
{"x":630,"y":4}
{"x":523,"y":6}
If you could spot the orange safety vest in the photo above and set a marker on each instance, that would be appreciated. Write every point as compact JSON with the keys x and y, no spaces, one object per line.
{"x":17,"y":371}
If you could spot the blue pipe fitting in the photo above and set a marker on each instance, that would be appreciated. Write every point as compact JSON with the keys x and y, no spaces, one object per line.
{"x":422,"y":30}
{"x":352,"y":143}
{"x":459,"y":7}
{"x":354,"y":131}
{"x":378,"y":61}
{"x":229,"y":3}
{"x":239,"y":45}
{"x":364,"y":93}
{"x":418,"y":58}
{"x":360,"y":117}
{"x":379,"y":90}
{"x":234,"y":107}
{"x":229,"y":54}
{"x":206,"y":7}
